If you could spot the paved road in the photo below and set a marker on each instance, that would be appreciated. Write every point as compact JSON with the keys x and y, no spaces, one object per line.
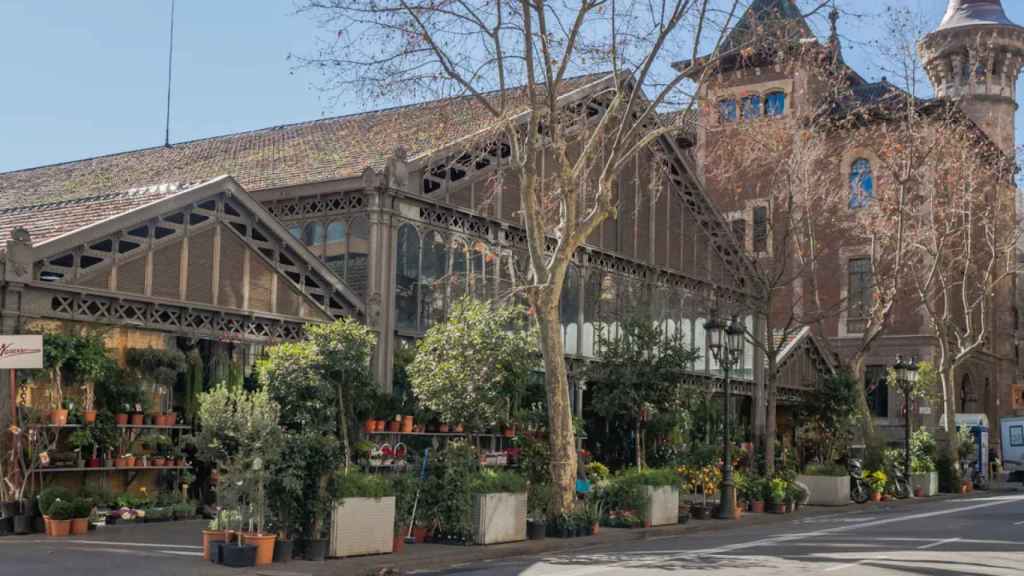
{"x":971,"y":536}
{"x":977,"y":536}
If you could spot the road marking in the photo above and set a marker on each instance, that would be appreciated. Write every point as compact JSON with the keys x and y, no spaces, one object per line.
{"x":1018,"y":523}
{"x":852,"y":564}
{"x":617,"y":567}
{"x":181,"y":553}
{"x":937,"y":543}
{"x":133,"y":544}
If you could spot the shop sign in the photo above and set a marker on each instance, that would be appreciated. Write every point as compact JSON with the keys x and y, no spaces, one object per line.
{"x":22,"y":352}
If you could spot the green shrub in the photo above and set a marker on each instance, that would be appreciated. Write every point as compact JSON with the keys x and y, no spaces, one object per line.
{"x":827,"y":469}
{"x":659,"y":477}
{"x":497,"y":481}
{"x":357,"y":484}
{"x":777,"y":490}
{"x":82,"y":507}
{"x":949,"y":477}
{"x":61,"y":510}
{"x":597,"y":472}
{"x":225,"y":520}
{"x":447,"y":496}
{"x":184,"y":510}
{"x":50,"y":495}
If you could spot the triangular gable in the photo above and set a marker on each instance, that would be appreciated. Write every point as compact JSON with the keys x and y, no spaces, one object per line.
{"x":806,"y":340}
{"x":763,"y":14}
{"x":210,"y":245}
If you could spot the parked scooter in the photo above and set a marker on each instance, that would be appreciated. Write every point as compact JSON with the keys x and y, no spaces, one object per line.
{"x":859,"y":491}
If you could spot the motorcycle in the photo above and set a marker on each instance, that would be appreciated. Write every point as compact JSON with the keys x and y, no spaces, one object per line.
{"x":859,"y":491}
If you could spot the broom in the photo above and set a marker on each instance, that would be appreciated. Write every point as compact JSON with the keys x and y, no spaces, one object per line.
{"x":409,"y":538}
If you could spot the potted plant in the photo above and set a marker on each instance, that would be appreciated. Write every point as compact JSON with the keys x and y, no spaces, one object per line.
{"x":758,"y":490}
{"x":363,"y":518}
{"x":81,"y":511}
{"x":876,"y":482}
{"x":257,"y":534}
{"x":61,"y":512}
{"x":218,"y":531}
{"x":83,"y":443}
{"x":777,"y":495}
{"x":924,"y":477}
{"x":499,"y":507}
{"x":592,"y":513}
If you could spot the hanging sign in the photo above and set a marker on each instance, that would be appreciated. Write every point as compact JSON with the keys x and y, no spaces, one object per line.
{"x":22,"y":352}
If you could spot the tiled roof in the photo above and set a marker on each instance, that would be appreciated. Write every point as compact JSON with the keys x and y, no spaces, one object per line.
{"x":975,"y":13}
{"x":47,"y":221}
{"x":316,"y":151}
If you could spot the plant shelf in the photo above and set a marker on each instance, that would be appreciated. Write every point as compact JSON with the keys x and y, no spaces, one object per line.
{"x":442,"y":434}
{"x":47,"y":470}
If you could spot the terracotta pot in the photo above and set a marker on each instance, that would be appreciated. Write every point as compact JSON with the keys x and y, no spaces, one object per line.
{"x":89,"y":416}
{"x":778,"y":508}
{"x":59,"y":417}
{"x":121,"y":419}
{"x":399,"y":541}
{"x":876,"y":496}
{"x":137,"y":419}
{"x":210,"y":536}
{"x":420,"y":533}
{"x":459,"y":428}
{"x":118,"y":462}
{"x":443,"y":428}
{"x":264,"y":547}
{"x":919,"y":492}
{"x":394,"y":426}
{"x":738,"y":513}
{"x":509,"y":433}
{"x":60,"y":528}
{"x":757,"y":506}
{"x":79,"y":526}
{"x":93,"y":463}
{"x":407,"y":423}
{"x":595,"y":529}
{"x":370,"y":425}
{"x":158,"y":461}
{"x":379,"y":425}
{"x":46,"y":525}
{"x":172,"y":418}
{"x":963,"y":489}
{"x":129,"y":461}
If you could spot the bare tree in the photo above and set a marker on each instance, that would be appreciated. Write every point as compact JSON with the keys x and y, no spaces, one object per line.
{"x":408,"y":48}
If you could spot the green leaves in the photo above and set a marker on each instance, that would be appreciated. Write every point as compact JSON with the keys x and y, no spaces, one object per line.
{"x":469,"y":368}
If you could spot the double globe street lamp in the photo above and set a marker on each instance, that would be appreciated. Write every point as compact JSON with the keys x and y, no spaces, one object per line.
{"x":725,"y":340}
{"x":906,"y":382}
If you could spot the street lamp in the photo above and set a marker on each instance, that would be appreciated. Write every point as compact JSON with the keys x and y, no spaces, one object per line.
{"x":725,"y":340}
{"x":906,"y":378}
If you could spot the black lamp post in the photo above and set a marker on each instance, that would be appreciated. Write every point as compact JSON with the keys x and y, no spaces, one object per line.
{"x":906,"y":378}
{"x":726,"y":343}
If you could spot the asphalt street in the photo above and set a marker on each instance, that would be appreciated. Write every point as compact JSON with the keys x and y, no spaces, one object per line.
{"x":976,"y":536}
{"x":979,"y":535}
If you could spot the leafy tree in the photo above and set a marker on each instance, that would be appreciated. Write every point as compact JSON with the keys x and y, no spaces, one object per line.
{"x":469,"y":369}
{"x":830,"y":415}
{"x":637,"y":374}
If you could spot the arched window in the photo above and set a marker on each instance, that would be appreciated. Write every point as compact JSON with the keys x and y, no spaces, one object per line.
{"x":313,"y":237}
{"x":407,"y":277}
{"x":459,"y":271}
{"x":727,"y":111}
{"x":862,"y":183}
{"x":775,"y":104}
{"x":751,"y":107}
{"x":432,"y":278}
{"x":357,"y":272}
{"x":335,"y":248}
{"x":569,"y":310}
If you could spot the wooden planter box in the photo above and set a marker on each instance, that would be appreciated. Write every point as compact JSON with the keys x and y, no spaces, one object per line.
{"x":928,"y":482}
{"x":499,"y":518}
{"x":362,"y":526}
{"x":662,"y":505}
{"x":826,"y":490}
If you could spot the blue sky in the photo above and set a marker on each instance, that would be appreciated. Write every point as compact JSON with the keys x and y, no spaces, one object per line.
{"x":86,"y":78}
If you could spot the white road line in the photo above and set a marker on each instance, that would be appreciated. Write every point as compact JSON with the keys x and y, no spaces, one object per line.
{"x":618,"y":566}
{"x":1018,"y":523}
{"x":937,"y":543}
{"x":852,"y":564}
{"x":133,"y":544}
{"x":181,"y":553}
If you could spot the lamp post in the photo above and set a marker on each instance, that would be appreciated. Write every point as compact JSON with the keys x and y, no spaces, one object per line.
{"x":906,"y":378}
{"x":725,"y":340}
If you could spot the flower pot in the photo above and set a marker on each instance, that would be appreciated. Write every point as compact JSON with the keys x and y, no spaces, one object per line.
{"x":407,"y":423}
{"x":509,"y":433}
{"x":315,"y":550}
{"x":6,"y":526}
{"x":264,"y":544}
{"x":421,"y":533}
{"x":595,"y":529}
{"x":380,"y":425}
{"x":92,"y":463}
{"x":738,"y":512}
{"x":778,"y":508}
{"x":757,"y":506}
{"x":22,"y":524}
{"x":59,"y":417}
{"x":9,"y":509}
{"x":137,"y":419}
{"x":89,"y":416}
{"x":397,"y":542}
{"x":394,"y":426}
{"x":442,"y":428}
{"x":283,"y":550}
{"x":683,"y":517}
{"x":171,"y":418}
{"x":121,"y":419}
{"x":918,"y":492}
{"x":60,"y":528}
{"x":459,"y":429}
{"x":79,"y":526}
{"x":876,"y":496}
{"x":370,"y":425}
{"x":536,"y":530}
{"x":46,"y":526}
{"x":209,"y":537}
{"x":158,"y":461}
{"x":129,"y":461}
{"x":239,"y":555}
{"x":118,"y":462}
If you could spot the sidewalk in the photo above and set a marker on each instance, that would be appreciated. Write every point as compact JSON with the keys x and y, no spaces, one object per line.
{"x":427,"y":557}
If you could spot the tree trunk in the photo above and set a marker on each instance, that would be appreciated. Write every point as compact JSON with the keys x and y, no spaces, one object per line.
{"x":560,"y":429}
{"x":771,"y":418}
{"x":867,"y":428}
{"x":343,"y":426}
{"x":638,"y":446}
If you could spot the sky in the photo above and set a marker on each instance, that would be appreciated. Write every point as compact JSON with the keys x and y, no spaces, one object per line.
{"x":87,"y":78}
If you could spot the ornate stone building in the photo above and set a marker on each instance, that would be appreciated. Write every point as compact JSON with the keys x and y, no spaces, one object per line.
{"x":973,"y":59}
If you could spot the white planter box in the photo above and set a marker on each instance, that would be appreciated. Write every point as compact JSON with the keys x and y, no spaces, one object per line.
{"x":826,"y":490}
{"x":929,"y":482}
{"x":663,"y":505}
{"x":362,"y":526}
{"x":499,"y":518}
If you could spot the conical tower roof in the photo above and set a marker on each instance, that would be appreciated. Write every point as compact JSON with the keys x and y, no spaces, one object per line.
{"x":974,"y":13}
